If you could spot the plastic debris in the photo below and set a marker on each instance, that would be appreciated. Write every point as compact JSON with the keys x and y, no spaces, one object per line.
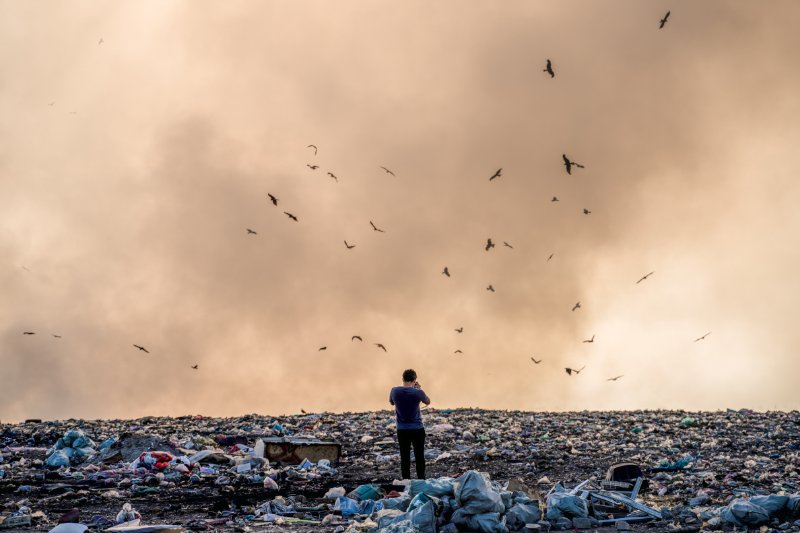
{"x":220,"y":473}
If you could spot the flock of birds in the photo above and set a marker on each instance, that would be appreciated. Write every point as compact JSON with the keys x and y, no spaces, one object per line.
{"x":569,"y":166}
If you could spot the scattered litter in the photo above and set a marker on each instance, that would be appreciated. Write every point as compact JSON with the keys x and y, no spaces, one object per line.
{"x":488,"y":471}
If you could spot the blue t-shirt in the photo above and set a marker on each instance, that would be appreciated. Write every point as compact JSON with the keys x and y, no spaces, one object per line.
{"x":406,"y":404}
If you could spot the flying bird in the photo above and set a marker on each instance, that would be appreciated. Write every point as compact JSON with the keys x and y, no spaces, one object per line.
{"x":314,"y":147}
{"x":56,"y":336}
{"x":273,"y":199}
{"x":586,"y":211}
{"x":142,"y":348}
{"x":331,"y":174}
{"x":379,"y":345}
{"x":459,"y":330}
{"x":496,"y":174}
{"x":490,"y":288}
{"x":489,"y":244}
{"x":446,"y":272}
{"x":29,"y":333}
{"x":703,"y":337}
{"x":549,"y":69}
{"x":645,"y":277}
{"x":577,"y":306}
{"x":51,"y":104}
{"x":322,"y":348}
{"x":303,"y":411}
{"x":375,"y":227}
{"x":313,"y":167}
{"x":388,"y":171}
{"x":194,"y":367}
{"x":590,"y":340}
{"x":458,"y":351}
{"x":101,"y":41}
{"x":535,"y":361}
{"x":354,"y":337}
{"x":249,"y":231}
{"x":549,"y":257}
{"x":290,"y":215}
{"x":555,"y":199}
{"x":571,"y":370}
{"x":615,"y":378}
{"x":506,"y":244}
{"x":663,"y":21}
{"x":569,"y":164}
{"x":349,"y":246}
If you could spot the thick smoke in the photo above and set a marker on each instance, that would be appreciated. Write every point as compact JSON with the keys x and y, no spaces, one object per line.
{"x":124,"y":206}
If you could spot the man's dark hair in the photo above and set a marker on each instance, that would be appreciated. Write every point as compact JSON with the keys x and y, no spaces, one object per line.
{"x":409,"y":375}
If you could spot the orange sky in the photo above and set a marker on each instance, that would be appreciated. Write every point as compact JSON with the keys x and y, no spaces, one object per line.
{"x":130,"y":169}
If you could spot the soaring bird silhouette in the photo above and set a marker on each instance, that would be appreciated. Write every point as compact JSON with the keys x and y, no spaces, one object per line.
{"x":195,"y":366}
{"x":663,"y":21}
{"x":508,"y":245}
{"x":459,"y":330}
{"x":496,"y":174}
{"x":29,"y":333}
{"x":458,"y":351}
{"x":51,"y":104}
{"x":55,"y":336}
{"x":388,"y":171}
{"x":313,"y":167}
{"x":273,"y":199}
{"x":101,"y":41}
{"x":590,"y":340}
{"x":555,"y":199}
{"x":354,"y":337}
{"x":586,"y":211}
{"x":142,"y":348}
{"x":569,"y":164}
{"x":331,"y":174}
{"x":314,"y":147}
{"x":379,"y":345}
{"x":349,"y":246}
{"x":303,"y":411}
{"x":535,"y":361}
{"x":290,"y":215}
{"x":703,"y":337}
{"x":489,"y":244}
{"x":549,"y":257}
{"x":374,"y":227}
{"x":549,"y":69}
{"x":251,"y":232}
{"x":615,"y":378}
{"x":490,"y":288}
{"x":646,"y":276}
{"x":446,"y":272}
{"x":322,"y":348}
{"x":577,"y":306}
{"x":571,"y":370}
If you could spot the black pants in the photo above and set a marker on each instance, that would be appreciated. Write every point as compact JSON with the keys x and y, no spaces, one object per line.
{"x":405,"y":438}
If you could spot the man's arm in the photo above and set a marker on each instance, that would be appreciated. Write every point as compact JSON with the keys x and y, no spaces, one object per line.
{"x":424,"y":397}
{"x":391,"y":400}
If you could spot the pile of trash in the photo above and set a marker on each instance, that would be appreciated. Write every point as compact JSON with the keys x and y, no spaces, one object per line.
{"x":74,"y":446}
{"x":488,"y":470}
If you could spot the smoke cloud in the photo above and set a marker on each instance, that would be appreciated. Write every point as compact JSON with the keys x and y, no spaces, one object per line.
{"x":130,"y":170}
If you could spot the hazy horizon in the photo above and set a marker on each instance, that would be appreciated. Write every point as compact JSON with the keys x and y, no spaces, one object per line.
{"x":140,"y":141}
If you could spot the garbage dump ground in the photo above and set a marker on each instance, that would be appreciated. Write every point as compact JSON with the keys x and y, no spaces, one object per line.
{"x":490,"y":471}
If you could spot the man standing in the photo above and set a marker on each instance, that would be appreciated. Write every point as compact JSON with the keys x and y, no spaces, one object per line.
{"x":410,"y":431}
